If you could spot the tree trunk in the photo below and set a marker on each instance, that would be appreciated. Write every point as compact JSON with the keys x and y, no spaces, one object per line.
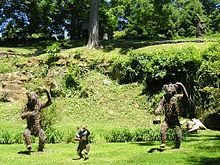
{"x":93,"y":41}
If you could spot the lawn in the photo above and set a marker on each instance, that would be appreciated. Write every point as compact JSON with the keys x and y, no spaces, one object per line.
{"x":198,"y":149}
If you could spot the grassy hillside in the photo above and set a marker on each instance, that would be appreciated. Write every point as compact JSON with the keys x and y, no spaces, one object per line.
{"x":97,"y":101}
{"x":85,"y":93}
{"x":105,"y":106}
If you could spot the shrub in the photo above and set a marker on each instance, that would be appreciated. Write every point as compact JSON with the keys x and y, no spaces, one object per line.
{"x":119,"y":34}
{"x":53,"y":136}
{"x":208,"y":83}
{"x":7,"y":137}
{"x":196,"y":69}
{"x":4,"y":96}
{"x":49,"y":117}
{"x":71,"y":81}
{"x":18,"y":138}
{"x":173,"y":64}
{"x":118,"y":136}
{"x":77,"y":54}
{"x":139,"y":135}
{"x":7,"y":65}
{"x":53,"y":51}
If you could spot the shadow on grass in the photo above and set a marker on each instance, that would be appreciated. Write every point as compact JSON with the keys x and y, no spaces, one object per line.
{"x":25,"y":152}
{"x":77,"y":158}
{"x":153,"y":150}
{"x":39,"y":44}
{"x":208,"y":143}
{"x":205,"y":161}
{"x":127,"y":45}
{"x":150,"y":143}
{"x":84,"y":159}
{"x":198,"y":136}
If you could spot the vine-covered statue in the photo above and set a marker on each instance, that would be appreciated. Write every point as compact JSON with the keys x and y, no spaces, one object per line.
{"x":170,"y":104}
{"x":32,"y":113}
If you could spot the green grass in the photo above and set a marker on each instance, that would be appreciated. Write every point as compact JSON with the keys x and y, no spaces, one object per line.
{"x":199,"y":149}
{"x":164,"y":47}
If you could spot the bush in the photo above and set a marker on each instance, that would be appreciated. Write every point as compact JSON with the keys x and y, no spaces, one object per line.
{"x":208,"y":83}
{"x":196,"y":69}
{"x":7,"y":137}
{"x":49,"y":117}
{"x":172,"y":64}
{"x":118,"y":136}
{"x":53,"y":51}
{"x":4,"y":96}
{"x":139,"y":135}
{"x":119,"y":34}
{"x":72,"y":77}
{"x":53,"y":136}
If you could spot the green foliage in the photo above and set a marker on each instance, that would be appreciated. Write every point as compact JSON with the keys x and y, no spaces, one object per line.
{"x":119,"y":136}
{"x":119,"y":34}
{"x":145,"y":18}
{"x":175,"y":64}
{"x":7,"y":65}
{"x":208,"y":74}
{"x":50,"y":116}
{"x":53,"y":51}
{"x":207,"y":78}
{"x":53,"y":136}
{"x":8,"y":137}
{"x":125,"y":135}
{"x":77,"y":54}
{"x":196,"y":69}
{"x":4,"y":96}
{"x":72,"y":78}
{"x":212,"y":99}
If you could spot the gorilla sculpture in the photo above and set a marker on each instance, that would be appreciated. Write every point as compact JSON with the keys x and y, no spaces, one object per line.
{"x":170,"y":104}
{"x":32,"y":113}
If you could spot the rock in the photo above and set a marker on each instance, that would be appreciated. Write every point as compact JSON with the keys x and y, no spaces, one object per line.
{"x":106,"y":82}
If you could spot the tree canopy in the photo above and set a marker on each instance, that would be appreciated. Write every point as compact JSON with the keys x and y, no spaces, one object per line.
{"x":150,"y":19}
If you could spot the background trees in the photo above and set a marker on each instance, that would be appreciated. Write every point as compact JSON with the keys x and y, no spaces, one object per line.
{"x":150,"y":19}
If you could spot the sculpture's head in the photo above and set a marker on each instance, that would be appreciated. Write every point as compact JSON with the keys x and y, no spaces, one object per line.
{"x":32,"y":97}
{"x":170,"y":89}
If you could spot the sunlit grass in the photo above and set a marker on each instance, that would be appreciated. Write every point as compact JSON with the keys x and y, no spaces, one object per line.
{"x":201,"y":148}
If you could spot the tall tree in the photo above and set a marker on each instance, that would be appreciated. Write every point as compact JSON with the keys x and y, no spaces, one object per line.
{"x":93,"y":41}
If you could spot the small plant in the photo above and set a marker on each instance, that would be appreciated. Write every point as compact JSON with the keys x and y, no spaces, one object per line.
{"x":49,"y":117}
{"x":53,"y":51}
{"x":139,"y":135}
{"x":118,"y":136}
{"x":53,"y":136}
{"x":18,"y":138}
{"x":72,"y":79}
{"x":4,"y":97}
{"x":77,"y":54}
{"x":5,"y":138}
{"x":119,"y":34}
